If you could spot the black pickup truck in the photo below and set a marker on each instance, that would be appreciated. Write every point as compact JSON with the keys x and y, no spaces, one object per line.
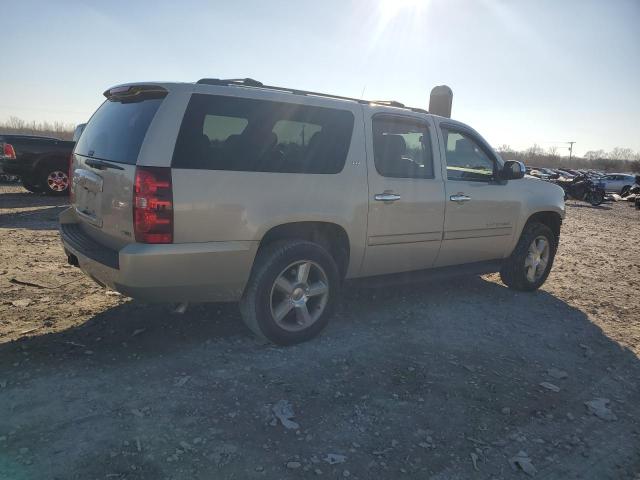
{"x":42,"y":163}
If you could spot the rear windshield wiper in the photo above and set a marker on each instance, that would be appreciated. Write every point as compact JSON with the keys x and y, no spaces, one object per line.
{"x":101,"y":164}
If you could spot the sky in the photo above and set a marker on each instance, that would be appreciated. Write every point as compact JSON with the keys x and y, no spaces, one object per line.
{"x":522,"y":72}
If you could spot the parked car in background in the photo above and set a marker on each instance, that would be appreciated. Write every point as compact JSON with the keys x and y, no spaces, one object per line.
{"x":537,"y":172}
{"x":566,"y":173}
{"x":552,"y":174}
{"x":231,"y":190}
{"x":618,"y":182}
{"x":42,"y":163}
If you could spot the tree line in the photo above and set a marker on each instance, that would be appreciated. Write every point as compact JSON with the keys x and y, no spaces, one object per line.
{"x":18,"y":126}
{"x":617,"y":160}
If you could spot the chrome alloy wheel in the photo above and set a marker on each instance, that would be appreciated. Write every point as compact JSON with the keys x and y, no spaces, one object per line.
{"x":537,"y":259}
{"x":58,"y":181}
{"x":299,"y":295}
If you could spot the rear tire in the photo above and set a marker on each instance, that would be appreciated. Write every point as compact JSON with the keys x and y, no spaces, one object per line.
{"x":54,"y":179}
{"x":515,"y":272}
{"x":625,"y":190}
{"x":283,"y":305}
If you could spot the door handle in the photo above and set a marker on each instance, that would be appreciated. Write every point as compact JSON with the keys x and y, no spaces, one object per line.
{"x":386,"y":197}
{"x":459,"y":198}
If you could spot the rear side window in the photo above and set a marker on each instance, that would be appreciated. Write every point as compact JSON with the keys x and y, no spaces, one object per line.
{"x":241,"y":134}
{"x":117,"y":129}
{"x":402,"y":147}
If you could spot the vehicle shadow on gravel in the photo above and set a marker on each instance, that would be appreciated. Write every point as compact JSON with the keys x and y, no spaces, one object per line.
{"x":405,"y":381}
{"x":45,"y":218}
{"x":28,"y":199}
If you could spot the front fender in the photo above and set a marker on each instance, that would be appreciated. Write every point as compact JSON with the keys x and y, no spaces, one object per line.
{"x":539,"y":197}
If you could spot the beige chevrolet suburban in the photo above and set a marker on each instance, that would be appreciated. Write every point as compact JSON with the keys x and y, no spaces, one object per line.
{"x":231,"y":190}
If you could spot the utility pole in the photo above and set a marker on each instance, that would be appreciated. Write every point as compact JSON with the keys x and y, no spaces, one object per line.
{"x":570,"y":149}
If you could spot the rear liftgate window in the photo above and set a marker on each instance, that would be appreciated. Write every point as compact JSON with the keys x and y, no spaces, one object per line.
{"x":228,"y":133}
{"x":117,"y":129}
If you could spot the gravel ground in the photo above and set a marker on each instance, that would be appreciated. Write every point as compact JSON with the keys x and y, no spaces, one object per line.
{"x":454,"y":380}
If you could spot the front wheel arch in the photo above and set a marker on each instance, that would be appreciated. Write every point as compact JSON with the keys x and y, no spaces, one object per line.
{"x":551,"y":219}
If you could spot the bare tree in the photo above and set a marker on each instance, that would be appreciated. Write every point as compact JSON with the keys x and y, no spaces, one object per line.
{"x":17,"y":126}
{"x":595,"y":154}
{"x":620,"y":153}
{"x":15,"y":123}
{"x":535,"y":150}
{"x":504,"y":148}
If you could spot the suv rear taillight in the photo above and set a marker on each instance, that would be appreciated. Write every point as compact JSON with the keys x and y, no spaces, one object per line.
{"x":153,"y":205}
{"x":8,"y":151}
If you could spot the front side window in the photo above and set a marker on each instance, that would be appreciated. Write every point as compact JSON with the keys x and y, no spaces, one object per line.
{"x":466,"y":160}
{"x":402,"y":147}
{"x":242,"y":134}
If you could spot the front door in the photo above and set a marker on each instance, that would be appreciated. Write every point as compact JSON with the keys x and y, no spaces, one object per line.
{"x":406,"y":195}
{"x":481,"y":211}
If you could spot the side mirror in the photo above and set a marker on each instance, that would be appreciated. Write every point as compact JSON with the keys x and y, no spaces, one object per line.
{"x":512,"y":170}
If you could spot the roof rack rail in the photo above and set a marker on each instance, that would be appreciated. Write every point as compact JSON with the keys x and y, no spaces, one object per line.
{"x":389,"y":103}
{"x":250,"y":82}
{"x":245,"y":82}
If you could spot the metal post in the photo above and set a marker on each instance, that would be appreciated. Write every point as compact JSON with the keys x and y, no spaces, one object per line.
{"x":570,"y":149}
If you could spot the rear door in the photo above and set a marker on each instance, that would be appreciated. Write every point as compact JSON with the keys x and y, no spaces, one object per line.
{"x":104,"y":164}
{"x":481,"y":212}
{"x":406,"y":195}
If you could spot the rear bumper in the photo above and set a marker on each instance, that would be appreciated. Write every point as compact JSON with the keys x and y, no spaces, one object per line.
{"x":186,"y":272}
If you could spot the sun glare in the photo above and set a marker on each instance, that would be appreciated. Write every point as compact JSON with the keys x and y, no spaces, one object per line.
{"x":391,"y":8}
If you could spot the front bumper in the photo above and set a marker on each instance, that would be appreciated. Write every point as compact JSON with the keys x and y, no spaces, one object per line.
{"x":186,"y":272}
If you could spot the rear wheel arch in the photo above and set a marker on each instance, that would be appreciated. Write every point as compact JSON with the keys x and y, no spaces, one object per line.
{"x":331,"y":236}
{"x":51,"y":160}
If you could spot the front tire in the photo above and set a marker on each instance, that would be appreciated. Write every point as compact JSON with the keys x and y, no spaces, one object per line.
{"x":291,"y":293}
{"x":530,"y":263}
